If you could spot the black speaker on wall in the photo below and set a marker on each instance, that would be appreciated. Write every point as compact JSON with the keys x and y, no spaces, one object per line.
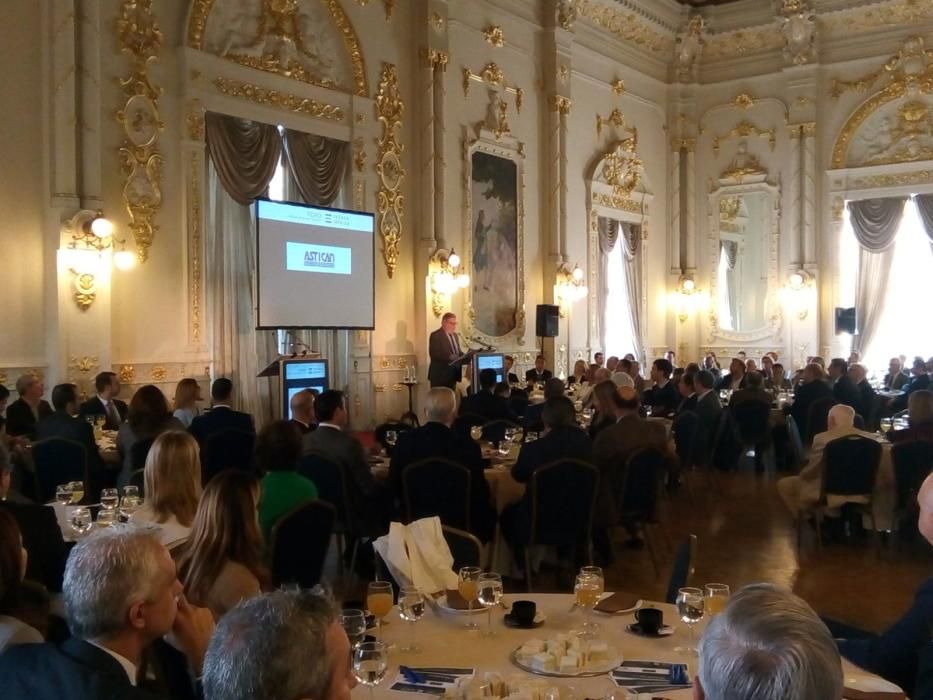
{"x":845,"y":320}
{"x":547,"y":318}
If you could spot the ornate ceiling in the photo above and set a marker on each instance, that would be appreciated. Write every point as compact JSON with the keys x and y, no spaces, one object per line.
{"x":704,"y":3}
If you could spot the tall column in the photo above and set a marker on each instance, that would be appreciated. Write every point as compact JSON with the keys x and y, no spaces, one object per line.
{"x":808,"y":214}
{"x":795,"y":230}
{"x":676,"y":231}
{"x":690,"y":259}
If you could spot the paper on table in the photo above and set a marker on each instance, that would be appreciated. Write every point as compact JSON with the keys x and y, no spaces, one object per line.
{"x":650,"y":676}
{"x":429,"y":681}
{"x":417,"y":554}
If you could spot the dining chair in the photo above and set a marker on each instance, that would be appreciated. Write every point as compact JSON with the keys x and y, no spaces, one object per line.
{"x":465,"y":547}
{"x":684,"y":430}
{"x":818,"y":418}
{"x":753,"y":427}
{"x":299,"y":544}
{"x":912,"y":462}
{"x":437,"y":486}
{"x":139,"y":452}
{"x":58,"y":460}
{"x":227,"y":449}
{"x":639,"y":494}
{"x":796,"y":444}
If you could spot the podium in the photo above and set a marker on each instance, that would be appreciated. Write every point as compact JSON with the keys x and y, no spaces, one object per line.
{"x":296,"y":373}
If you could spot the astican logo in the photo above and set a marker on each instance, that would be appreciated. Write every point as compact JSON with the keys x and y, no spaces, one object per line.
{"x":314,"y":257}
{"x":319,"y":259}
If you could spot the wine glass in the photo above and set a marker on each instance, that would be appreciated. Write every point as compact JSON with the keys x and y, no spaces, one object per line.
{"x":476,"y":432}
{"x":587,"y":590}
{"x":489,"y":588}
{"x":80,"y":519}
{"x":717,"y":595}
{"x":370,"y":662}
{"x":411,"y":609}
{"x":504,"y":447}
{"x":77,"y":491}
{"x":354,"y":624}
{"x":391,"y":437}
{"x":690,"y":606}
{"x":466,"y":584}
{"x":63,"y":493}
{"x":130,"y":502}
{"x":379,"y":601}
{"x":109,"y":498}
{"x":106,"y":517}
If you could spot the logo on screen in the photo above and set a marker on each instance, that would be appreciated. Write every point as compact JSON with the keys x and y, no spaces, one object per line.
{"x":318,"y":259}
{"x":312,"y":257}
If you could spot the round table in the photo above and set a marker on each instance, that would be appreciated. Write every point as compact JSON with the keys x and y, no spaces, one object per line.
{"x":445,"y":642}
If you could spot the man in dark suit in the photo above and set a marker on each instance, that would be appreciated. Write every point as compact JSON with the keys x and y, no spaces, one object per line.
{"x":919,"y":380}
{"x":443,"y":348}
{"x":121,"y":594}
{"x":686,"y":392}
{"x":436,"y":439}
{"x":538,"y":373}
{"x":484,"y":402}
{"x":753,"y":391}
{"x":510,"y":376}
{"x":812,"y":388}
{"x":735,"y":380}
{"x":663,"y":397}
{"x":844,"y":390}
{"x":302,"y":407}
{"x":534,"y":414}
{"x":222,"y":416}
{"x":23,"y":414}
{"x":896,"y":377}
{"x":708,"y":409}
{"x":867,"y":395}
{"x":106,"y":402}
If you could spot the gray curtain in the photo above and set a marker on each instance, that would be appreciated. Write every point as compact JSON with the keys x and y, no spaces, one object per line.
{"x":631,"y":239}
{"x":608,"y":237}
{"x":925,"y":207}
{"x":731,"y":249}
{"x":244,"y":153}
{"x":875,"y":221}
{"x":732,"y":252}
{"x":318,"y":165}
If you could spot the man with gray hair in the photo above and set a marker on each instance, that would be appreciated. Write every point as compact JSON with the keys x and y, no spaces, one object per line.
{"x":23,"y":414}
{"x":438,"y":439}
{"x":121,"y":594}
{"x":281,"y":645}
{"x":767,"y":644}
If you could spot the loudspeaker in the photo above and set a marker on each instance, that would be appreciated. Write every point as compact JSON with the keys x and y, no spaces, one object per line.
{"x":547,"y":318}
{"x":845,"y":320}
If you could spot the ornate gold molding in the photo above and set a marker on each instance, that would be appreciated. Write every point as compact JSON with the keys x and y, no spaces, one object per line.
{"x":882,"y":14}
{"x":359,"y":154}
{"x":84,"y":365}
{"x":616,"y":202}
{"x":744,"y":101}
{"x":158,"y":373}
{"x":282,"y":100}
{"x":744,"y":129}
{"x":138,"y":35}
{"x":435,"y":58}
{"x":85,"y":290}
{"x":913,"y":64}
{"x":492,"y":74}
{"x":618,"y":86}
{"x":194,"y":118}
{"x":437,"y":23}
{"x":561,"y":104}
{"x":194,"y":250}
{"x":688,"y":145}
{"x":127,"y":374}
{"x":920,"y":177}
{"x":615,"y":118}
{"x":494,"y":36}
{"x":628,"y":26}
{"x":391,"y":201}
{"x":742,"y":42}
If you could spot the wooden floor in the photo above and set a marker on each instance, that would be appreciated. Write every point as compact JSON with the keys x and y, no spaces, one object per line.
{"x":746,"y":536}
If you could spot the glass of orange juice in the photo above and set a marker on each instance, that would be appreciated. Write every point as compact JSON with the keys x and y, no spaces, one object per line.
{"x":717,"y":595}
{"x":466,"y":584}
{"x":587,"y":590}
{"x":379,"y":601}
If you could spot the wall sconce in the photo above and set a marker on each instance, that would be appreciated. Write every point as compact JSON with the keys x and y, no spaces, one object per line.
{"x":446,"y":278}
{"x":798,"y":294}
{"x":686,"y":297}
{"x":568,"y":287}
{"x":92,"y":242}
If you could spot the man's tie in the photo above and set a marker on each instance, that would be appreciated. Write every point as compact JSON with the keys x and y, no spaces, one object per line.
{"x":453,"y":344}
{"x":112,"y":416}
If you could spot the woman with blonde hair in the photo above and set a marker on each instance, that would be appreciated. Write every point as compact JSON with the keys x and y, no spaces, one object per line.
{"x":187,"y":395}
{"x":221,"y":564}
{"x":172,"y":483}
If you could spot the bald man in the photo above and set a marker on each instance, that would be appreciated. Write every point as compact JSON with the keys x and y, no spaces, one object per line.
{"x":302,"y":406}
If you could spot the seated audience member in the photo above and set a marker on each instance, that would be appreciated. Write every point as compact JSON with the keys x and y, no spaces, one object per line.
{"x":148,"y":417}
{"x":688,"y":397}
{"x":735,"y":380}
{"x":510,"y":376}
{"x":751,"y":365}
{"x":896,"y":377}
{"x":767,"y":366}
{"x":778,"y":380}
{"x":579,"y":373}
{"x":662,"y":397}
{"x":612,"y":363}
{"x":302,"y":406}
{"x":866,"y":394}
{"x":620,"y":379}
{"x":278,"y":449}
{"x":106,"y":402}
{"x":120,"y":595}
{"x":282,"y":645}
{"x":61,"y":423}
{"x":708,"y":409}
{"x":599,"y":359}
{"x":919,"y":417}
{"x":503,"y":391}
{"x":4,"y":398}
{"x":222,"y":416}
{"x":172,"y":479}
{"x":637,"y":379}
{"x":711,"y":365}
{"x":23,"y":414}
{"x":553,"y":388}
{"x":538,"y":374}
{"x":7,"y":492}
{"x":803,"y":491}
{"x":752,"y":391}
{"x":919,"y":380}
{"x":671,"y":357}
{"x":436,"y":439}
{"x":844,"y":390}
{"x":813,"y":387}
{"x":187,"y":395}
{"x":484,"y":402}
{"x":368,"y":498}
{"x":606,"y":402}
{"x":767,"y":644}
{"x":13,"y":629}
{"x":221,"y":563}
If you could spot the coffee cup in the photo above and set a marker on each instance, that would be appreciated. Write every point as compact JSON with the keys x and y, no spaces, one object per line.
{"x":524,"y":611}
{"x":650,"y":619}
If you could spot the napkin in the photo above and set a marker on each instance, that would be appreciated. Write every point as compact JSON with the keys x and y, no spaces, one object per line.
{"x":417,"y":555}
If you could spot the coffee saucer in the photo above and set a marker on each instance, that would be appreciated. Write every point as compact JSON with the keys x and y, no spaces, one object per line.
{"x":510,"y":621}
{"x":663,"y":631}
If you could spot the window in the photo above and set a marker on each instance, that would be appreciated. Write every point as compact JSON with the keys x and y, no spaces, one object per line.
{"x":620,"y":335}
{"x":723,"y":298}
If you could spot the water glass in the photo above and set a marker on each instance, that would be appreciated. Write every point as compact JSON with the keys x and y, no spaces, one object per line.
{"x":411,"y":609}
{"x":489,"y":588}
{"x":476,"y":432}
{"x":690,"y":607}
{"x":370,"y":663}
{"x":106,"y":517}
{"x":504,"y":447}
{"x":354,"y":624}
{"x":109,"y":498}
{"x":77,"y":491}
{"x":80,"y":519}
{"x":391,"y":437}
{"x":468,"y":579}
{"x":63,"y":494}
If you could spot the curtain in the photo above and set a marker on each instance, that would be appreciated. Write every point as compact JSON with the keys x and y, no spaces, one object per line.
{"x":608,"y":230}
{"x":731,"y":249}
{"x":875,"y":221}
{"x":925,"y":209}
{"x":631,"y":237}
{"x":245,"y":154}
{"x":318,"y":165}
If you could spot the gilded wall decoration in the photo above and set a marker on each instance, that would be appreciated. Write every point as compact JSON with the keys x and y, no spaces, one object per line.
{"x":744,"y":165}
{"x":390,"y":200}
{"x":359,"y":154}
{"x":689,"y":46}
{"x":616,"y":202}
{"x":906,"y":136}
{"x":615,"y":118}
{"x":84,"y":365}
{"x":798,"y":28}
{"x":622,"y":169}
{"x":139,"y":36}
{"x":877,"y":15}
{"x":158,"y":373}
{"x":628,"y":26}
{"x":745,"y":129}
{"x":437,"y":22}
{"x":194,"y":249}
{"x":742,"y":42}
{"x":494,"y":36}
{"x":284,"y":37}
{"x":561,"y":104}
{"x":921,"y":177}
{"x":85,"y":290}
{"x":618,"y":86}
{"x":493,"y":76}
{"x":194,"y":118}
{"x":912,"y":65}
{"x":566,"y":14}
{"x":282,"y":100}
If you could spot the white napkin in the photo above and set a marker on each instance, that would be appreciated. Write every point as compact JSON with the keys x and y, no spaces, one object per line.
{"x":417,"y":555}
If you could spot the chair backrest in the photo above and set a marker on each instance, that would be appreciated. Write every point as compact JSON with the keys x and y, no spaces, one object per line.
{"x":227,"y":449}
{"x":913,"y":462}
{"x":299,"y":543}
{"x":684,"y":565}
{"x":518,"y":402}
{"x":437,"y":486}
{"x":752,"y":420}
{"x":563,"y":500}
{"x":796,"y":444}
{"x":641,"y":485}
{"x":494,"y":431}
{"x":684,"y":430}
{"x":139,"y":451}
{"x":58,"y":460}
{"x":466,"y":548}
{"x":851,"y":466}
{"x":138,"y":479}
{"x":818,"y":417}
{"x":330,"y":479}
{"x":873,"y":419}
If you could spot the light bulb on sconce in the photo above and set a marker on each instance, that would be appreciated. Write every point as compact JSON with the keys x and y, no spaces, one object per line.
{"x":87,"y":241}
{"x":577,"y":273}
{"x":453,"y":259}
{"x":101,"y":227}
{"x":686,"y":297}
{"x":568,"y":287}
{"x":124,"y":260}
{"x":445,"y":278}
{"x":799,"y":294}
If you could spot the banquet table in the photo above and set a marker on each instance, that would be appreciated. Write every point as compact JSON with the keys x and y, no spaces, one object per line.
{"x":444,"y":641}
